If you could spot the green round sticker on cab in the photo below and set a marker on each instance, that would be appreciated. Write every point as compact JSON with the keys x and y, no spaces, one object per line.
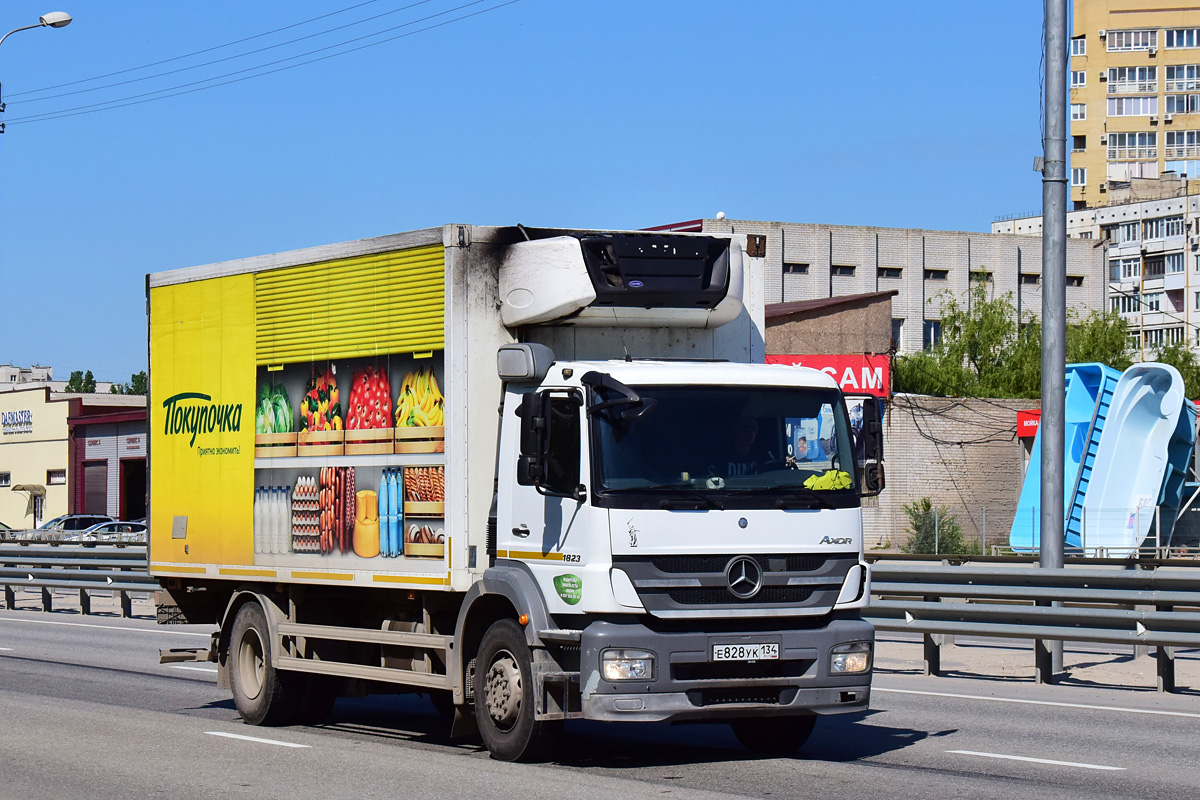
{"x":569,"y":588}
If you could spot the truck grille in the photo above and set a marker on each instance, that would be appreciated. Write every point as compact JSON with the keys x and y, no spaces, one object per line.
{"x":716,"y":563}
{"x":740,"y":670}
{"x":721,"y":697}
{"x":718,"y":596}
{"x":677,"y":586}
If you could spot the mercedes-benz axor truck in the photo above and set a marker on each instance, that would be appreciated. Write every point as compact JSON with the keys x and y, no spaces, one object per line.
{"x":536,"y":474}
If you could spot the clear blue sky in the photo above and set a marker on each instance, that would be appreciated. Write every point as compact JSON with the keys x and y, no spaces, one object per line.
{"x":613,"y":113}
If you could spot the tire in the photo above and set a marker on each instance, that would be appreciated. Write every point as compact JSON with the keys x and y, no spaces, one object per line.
{"x":773,"y":736}
{"x":504,"y":702}
{"x":259,"y":690}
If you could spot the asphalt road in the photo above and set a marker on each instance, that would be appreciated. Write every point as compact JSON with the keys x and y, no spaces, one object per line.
{"x":86,"y":711}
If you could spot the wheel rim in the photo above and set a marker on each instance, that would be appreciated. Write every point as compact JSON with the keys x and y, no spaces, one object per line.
{"x":504,"y":690}
{"x":251,"y":664}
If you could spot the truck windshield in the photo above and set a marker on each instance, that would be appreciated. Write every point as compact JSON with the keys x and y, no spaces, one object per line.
{"x":725,"y":447}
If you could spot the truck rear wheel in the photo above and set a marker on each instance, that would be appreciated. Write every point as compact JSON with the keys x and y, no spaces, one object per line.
{"x":504,"y":702}
{"x":259,"y":691}
{"x":773,"y":736}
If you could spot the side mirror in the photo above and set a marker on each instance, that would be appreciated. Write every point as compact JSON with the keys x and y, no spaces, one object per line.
{"x":531,"y":466}
{"x":872,"y":439}
{"x":872,"y":431}
{"x":872,"y":479}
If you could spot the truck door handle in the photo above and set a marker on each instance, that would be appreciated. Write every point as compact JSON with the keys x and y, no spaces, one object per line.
{"x":522,"y":530}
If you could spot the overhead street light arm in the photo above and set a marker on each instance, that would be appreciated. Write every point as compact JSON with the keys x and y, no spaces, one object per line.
{"x":55,"y":19}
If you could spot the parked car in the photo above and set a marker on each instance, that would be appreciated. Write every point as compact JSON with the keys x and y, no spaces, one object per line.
{"x":125,"y":532}
{"x":59,"y":528}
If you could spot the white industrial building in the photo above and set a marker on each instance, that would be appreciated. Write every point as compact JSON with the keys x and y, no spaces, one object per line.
{"x":806,"y":261}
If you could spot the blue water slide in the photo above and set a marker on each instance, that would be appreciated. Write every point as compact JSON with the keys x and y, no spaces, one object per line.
{"x":1179,"y":458}
{"x":1134,"y":467}
{"x":1084,"y":448}
{"x":1089,"y":393}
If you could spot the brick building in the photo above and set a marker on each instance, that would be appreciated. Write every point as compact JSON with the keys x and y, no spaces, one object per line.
{"x":857,"y":323}
{"x":961,"y":453}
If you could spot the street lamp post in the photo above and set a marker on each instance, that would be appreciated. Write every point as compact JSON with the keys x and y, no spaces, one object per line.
{"x":55,"y":19}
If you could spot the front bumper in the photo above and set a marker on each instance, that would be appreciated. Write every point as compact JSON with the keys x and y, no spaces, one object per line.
{"x":688,"y":686}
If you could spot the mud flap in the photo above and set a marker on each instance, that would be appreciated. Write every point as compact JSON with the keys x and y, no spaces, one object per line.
{"x":463,"y":724}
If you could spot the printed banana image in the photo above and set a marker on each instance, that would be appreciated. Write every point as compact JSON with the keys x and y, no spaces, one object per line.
{"x":420,"y":402}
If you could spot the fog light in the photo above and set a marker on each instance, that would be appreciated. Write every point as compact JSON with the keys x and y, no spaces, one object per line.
{"x":627,"y":665}
{"x":850,"y":658}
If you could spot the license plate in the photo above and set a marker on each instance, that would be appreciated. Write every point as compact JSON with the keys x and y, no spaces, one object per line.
{"x":745,"y":652}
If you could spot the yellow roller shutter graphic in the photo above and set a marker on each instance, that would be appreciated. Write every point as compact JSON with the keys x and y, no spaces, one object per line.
{"x":363,"y":306}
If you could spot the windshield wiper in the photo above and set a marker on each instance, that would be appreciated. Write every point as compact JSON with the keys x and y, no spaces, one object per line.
{"x":790,"y":496}
{"x":681,"y":490}
{"x":686,"y":491}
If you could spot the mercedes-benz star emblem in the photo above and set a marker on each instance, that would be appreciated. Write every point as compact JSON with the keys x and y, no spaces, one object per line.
{"x":744,"y":576}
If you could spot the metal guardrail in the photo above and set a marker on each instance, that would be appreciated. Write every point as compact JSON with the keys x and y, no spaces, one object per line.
{"x":1114,"y":601}
{"x":1157,"y":607}
{"x":120,"y":568}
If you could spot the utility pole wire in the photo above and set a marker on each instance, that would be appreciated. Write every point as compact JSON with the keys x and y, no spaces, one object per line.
{"x":235,"y":56}
{"x":147,"y":98}
{"x":196,"y":53}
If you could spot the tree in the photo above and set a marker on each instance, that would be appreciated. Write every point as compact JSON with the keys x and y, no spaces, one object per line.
{"x":934,"y":530}
{"x":982,"y":352}
{"x":985,"y":351}
{"x":1102,"y":338}
{"x":1181,"y":357}
{"x":81,"y":382}
{"x":138,"y":384}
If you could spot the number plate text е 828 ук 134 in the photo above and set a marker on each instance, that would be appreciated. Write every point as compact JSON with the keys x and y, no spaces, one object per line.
{"x":745,"y":652}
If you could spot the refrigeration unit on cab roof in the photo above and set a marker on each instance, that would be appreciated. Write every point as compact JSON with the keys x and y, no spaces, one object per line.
{"x":629,"y":279}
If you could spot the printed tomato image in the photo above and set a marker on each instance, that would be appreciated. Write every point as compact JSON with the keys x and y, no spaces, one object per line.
{"x":370,"y":400}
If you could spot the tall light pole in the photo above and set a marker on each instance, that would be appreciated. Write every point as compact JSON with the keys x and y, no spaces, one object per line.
{"x":1054,"y":312}
{"x":55,"y":19}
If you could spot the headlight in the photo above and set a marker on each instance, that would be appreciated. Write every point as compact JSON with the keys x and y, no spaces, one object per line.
{"x":850,"y":658}
{"x":627,"y":665}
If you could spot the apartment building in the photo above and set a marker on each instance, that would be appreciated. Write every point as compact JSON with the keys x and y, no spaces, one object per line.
{"x":809,"y":261}
{"x":1151,"y":252}
{"x":1135,"y":94}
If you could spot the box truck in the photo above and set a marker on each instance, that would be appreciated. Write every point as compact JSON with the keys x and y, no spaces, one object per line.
{"x":536,"y":474}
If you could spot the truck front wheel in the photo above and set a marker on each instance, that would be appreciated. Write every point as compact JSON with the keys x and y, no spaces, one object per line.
{"x":504,"y":702}
{"x":773,"y":736}
{"x":258,"y":689}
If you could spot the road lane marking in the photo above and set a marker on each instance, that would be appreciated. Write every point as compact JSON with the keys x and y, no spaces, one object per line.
{"x":1043,"y":703}
{"x":105,"y":627}
{"x":255,"y":739}
{"x":6,"y":649}
{"x":1036,"y":760}
{"x":194,"y":669}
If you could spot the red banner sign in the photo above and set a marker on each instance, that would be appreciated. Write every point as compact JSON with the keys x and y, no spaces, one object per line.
{"x":856,"y":374}
{"x":1027,"y":423}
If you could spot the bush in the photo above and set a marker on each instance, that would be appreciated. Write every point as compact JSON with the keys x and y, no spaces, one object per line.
{"x":930,"y":534}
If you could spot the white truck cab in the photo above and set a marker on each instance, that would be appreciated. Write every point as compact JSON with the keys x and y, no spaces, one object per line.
{"x":683,"y":533}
